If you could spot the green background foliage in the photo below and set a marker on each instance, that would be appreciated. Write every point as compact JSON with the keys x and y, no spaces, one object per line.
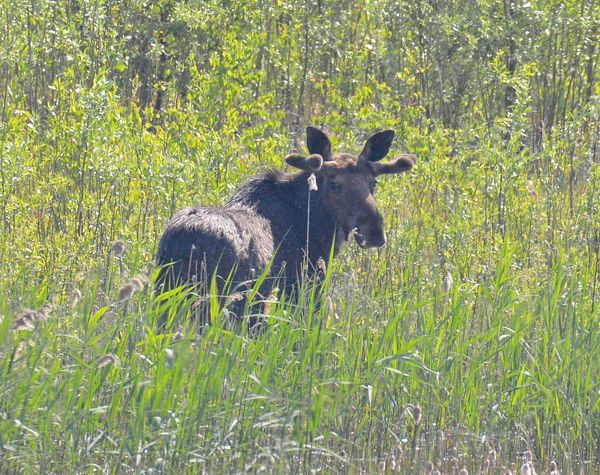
{"x":482,"y":309}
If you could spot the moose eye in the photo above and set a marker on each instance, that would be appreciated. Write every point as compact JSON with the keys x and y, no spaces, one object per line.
{"x":334,"y":187}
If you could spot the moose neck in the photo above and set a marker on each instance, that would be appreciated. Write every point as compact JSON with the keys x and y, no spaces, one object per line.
{"x":285,"y":200}
{"x":323,"y":230}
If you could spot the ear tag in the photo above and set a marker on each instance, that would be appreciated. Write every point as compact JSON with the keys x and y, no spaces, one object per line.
{"x":312,"y":183}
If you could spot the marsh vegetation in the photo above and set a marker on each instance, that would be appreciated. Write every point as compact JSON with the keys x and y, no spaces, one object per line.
{"x":470,"y":338}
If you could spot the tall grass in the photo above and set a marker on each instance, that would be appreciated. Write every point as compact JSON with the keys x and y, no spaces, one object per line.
{"x":470,"y":341}
{"x":474,"y":331}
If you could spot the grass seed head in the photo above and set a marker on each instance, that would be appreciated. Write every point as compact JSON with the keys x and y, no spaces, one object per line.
{"x":169,"y":356}
{"x":75,"y":297}
{"x":448,"y":281}
{"x":44,"y":312}
{"x":138,"y":283}
{"x":106,"y":360}
{"x":25,"y":321}
{"x":29,"y":314}
{"x":416,"y":414}
{"x":127,"y":291}
{"x":178,"y":336}
{"x":118,"y":248}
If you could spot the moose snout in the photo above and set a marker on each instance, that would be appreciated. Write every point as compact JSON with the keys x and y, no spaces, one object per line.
{"x":370,"y":233}
{"x":378,"y":240}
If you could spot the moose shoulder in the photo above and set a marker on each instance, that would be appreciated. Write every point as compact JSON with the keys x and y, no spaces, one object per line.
{"x":275,"y":220}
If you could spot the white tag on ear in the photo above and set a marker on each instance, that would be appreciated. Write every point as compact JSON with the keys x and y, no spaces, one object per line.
{"x":312,"y":183}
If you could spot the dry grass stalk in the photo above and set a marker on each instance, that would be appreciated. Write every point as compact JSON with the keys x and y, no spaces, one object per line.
{"x":392,"y":463}
{"x":492,"y":457}
{"x":527,"y":468}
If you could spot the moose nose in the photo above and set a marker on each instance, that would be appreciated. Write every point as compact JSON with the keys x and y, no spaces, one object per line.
{"x":377,"y":240}
{"x":375,"y":232}
{"x":372,"y":238}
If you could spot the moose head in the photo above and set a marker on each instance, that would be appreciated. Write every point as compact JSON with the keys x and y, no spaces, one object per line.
{"x":347,"y":182}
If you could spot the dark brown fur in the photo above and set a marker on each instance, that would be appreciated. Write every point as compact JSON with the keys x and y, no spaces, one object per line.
{"x":266,"y":222}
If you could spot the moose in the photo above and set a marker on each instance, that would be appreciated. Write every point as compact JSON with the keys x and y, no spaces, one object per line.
{"x":280,"y":223}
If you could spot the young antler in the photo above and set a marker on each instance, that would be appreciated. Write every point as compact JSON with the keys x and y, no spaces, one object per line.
{"x":402,"y":163}
{"x":313,"y":163}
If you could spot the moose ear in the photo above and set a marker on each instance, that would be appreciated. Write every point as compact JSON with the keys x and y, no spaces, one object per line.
{"x":377,"y":146}
{"x":402,"y":163}
{"x":318,"y":142}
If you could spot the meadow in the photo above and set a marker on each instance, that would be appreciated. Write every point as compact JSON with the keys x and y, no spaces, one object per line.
{"x":470,"y":341}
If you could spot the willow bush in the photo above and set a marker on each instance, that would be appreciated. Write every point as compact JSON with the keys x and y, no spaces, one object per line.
{"x":470,"y":340}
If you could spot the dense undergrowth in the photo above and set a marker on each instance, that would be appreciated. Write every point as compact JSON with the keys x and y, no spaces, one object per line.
{"x":470,"y":338}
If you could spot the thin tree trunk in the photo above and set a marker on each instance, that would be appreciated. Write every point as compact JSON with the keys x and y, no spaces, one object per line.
{"x":162,"y":66}
{"x":511,"y":63}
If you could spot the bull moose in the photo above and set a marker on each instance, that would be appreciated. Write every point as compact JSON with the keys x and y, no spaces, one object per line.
{"x":278,"y":223}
